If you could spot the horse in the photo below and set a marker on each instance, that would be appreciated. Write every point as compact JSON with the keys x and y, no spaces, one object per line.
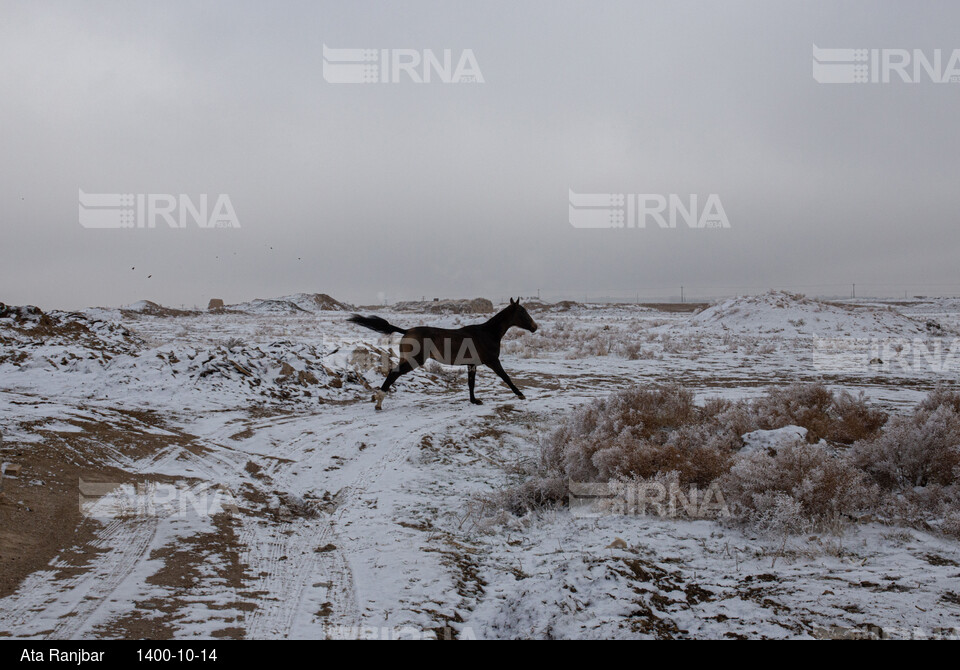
{"x":471,"y":346}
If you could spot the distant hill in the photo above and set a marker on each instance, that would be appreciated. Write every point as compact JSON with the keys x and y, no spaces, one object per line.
{"x":461,"y":306}
{"x":793,"y":315}
{"x":298,"y":303}
{"x":150,"y":308}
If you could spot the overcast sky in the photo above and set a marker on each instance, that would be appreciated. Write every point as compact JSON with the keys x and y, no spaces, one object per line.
{"x":393,"y":191}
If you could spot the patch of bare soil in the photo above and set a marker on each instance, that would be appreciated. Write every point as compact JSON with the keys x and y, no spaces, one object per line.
{"x":186,"y":567}
{"x":464,"y":564}
{"x":40,"y":512}
{"x":133,"y":434}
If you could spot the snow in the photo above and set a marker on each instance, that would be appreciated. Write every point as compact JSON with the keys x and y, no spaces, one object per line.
{"x":792,"y":315}
{"x":291,"y":304}
{"x":260,"y":306}
{"x":357,"y":523}
{"x":773,"y":439}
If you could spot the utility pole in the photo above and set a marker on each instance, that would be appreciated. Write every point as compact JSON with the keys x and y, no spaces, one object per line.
{"x":854,"y":290}
{"x":681,"y":294}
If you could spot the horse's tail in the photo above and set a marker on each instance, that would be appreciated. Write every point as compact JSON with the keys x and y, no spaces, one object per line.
{"x":376,"y":323}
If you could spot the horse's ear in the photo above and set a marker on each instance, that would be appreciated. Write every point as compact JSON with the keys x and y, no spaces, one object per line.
{"x":511,"y":301}
{"x":518,"y":300}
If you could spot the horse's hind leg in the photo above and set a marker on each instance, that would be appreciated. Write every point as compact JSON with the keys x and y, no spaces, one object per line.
{"x":471,"y":381}
{"x":403,"y":368}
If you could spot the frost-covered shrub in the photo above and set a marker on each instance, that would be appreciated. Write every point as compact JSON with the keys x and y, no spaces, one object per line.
{"x":638,"y":433}
{"x":737,"y":418}
{"x":905,"y":470}
{"x":940,"y":397}
{"x":915,"y":450}
{"x":951,"y":522}
{"x":925,"y":507}
{"x":808,"y":481}
{"x":534,"y":494}
{"x":855,"y":420}
{"x":776,"y":513}
{"x":575,"y":341}
{"x":837,"y":417}
{"x":695,"y":453}
{"x":806,"y":405}
{"x":841,"y":418}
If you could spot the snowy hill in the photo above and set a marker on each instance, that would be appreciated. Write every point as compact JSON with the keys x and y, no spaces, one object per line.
{"x":298,"y":303}
{"x":793,"y":315}
{"x":317,"y":302}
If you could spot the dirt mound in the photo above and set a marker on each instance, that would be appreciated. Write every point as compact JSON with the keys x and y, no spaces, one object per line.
{"x":460,"y":306}
{"x":298,"y":303}
{"x":561,"y":306}
{"x":318,"y":302}
{"x":268,"y":306}
{"x":795,"y":315}
{"x":150,"y":308}
{"x":23,"y":328}
{"x":20,"y":313}
{"x":277,"y":370}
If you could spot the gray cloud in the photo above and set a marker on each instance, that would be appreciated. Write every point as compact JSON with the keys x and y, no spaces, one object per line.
{"x":448,"y":190}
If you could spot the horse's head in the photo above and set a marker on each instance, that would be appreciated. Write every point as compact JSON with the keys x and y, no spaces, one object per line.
{"x":519,"y":316}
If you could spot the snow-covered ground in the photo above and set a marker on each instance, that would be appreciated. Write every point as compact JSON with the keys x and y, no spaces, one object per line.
{"x":311,"y":515}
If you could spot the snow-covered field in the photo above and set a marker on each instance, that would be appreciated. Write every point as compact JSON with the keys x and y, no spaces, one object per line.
{"x":245,"y":486}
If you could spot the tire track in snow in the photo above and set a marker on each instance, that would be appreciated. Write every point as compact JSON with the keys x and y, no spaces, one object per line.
{"x":290,"y":574}
{"x":65,"y":608}
{"x":289,"y":569}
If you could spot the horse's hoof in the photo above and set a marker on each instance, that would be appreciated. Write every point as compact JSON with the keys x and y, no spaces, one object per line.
{"x":521,"y":396}
{"x":476,"y":402}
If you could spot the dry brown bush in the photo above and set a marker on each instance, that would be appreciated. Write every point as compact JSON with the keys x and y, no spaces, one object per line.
{"x":841,"y":418}
{"x":941,"y":396}
{"x":904,"y":470}
{"x":916,"y":450}
{"x":637,"y":433}
{"x":819,"y":485}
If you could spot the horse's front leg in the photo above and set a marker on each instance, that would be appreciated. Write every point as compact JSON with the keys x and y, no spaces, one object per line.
{"x":471,"y":381}
{"x":496,"y":367}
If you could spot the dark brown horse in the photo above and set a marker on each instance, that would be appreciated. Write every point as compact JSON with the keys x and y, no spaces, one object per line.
{"x":470,"y":346}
